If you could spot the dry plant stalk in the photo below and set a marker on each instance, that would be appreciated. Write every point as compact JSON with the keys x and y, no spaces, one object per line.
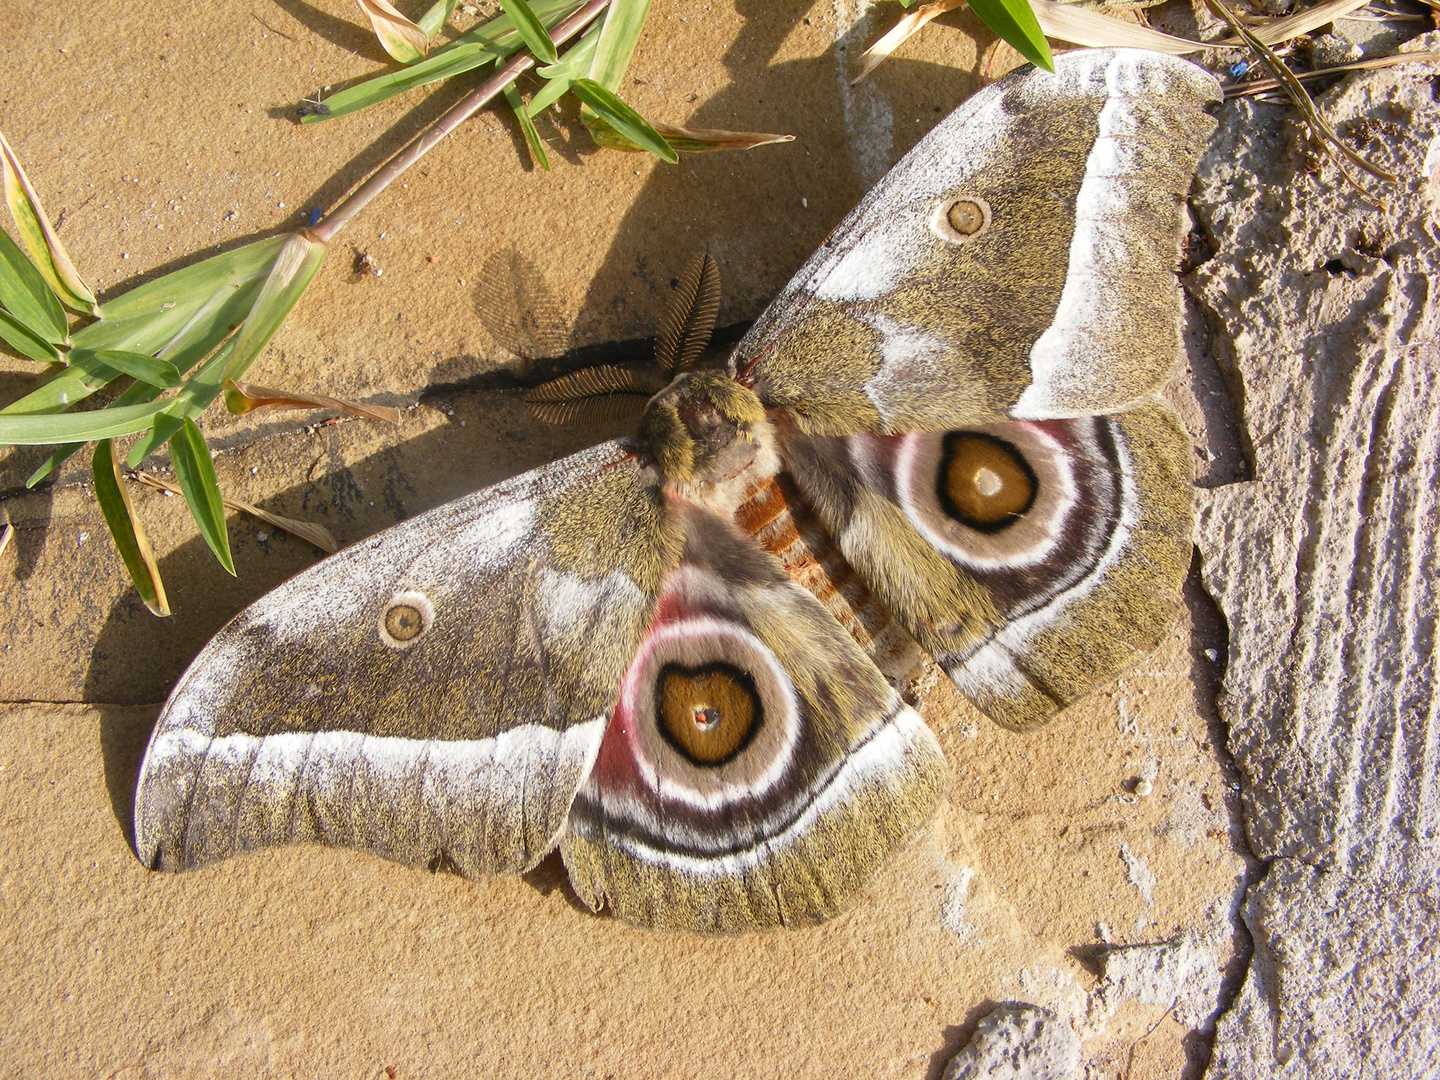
{"x":317,"y":534}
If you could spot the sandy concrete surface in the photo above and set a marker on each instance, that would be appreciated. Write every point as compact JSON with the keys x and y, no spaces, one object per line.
{"x":162,"y":130}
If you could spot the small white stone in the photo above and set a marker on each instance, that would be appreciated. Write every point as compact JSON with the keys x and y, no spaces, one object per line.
{"x":262,"y":536}
{"x":1143,"y":788}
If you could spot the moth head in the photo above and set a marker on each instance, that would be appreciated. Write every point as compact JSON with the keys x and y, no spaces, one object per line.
{"x":702,"y":426}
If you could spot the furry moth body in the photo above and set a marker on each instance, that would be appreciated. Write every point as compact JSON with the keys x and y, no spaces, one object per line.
{"x":943,"y":429}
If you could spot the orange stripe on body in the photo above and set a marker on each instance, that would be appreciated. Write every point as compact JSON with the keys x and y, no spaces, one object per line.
{"x":777,"y":517}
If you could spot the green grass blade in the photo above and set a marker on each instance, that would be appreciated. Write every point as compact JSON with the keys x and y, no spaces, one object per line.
{"x":295,"y":267}
{"x":126,"y":530}
{"x":39,"y":237}
{"x":135,"y":394}
{"x":75,"y":383}
{"x":24,"y":292}
{"x":147,"y":369}
{"x":53,"y":462}
{"x":575,"y":64}
{"x":25,"y":341}
{"x":195,"y":473}
{"x":179,"y":293}
{"x":194,"y":398}
{"x":531,"y":31}
{"x":492,"y":40}
{"x":436,"y":17}
{"x":623,"y":119}
{"x":619,"y":34}
{"x":1016,"y":23}
{"x":527,"y":125}
{"x":44,"y":430}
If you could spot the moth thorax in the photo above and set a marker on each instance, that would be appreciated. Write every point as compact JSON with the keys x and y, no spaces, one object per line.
{"x":705,"y":428}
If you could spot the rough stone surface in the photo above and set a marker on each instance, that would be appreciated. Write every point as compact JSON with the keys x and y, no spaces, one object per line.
{"x":1325,"y":566}
{"x":1018,"y":1041}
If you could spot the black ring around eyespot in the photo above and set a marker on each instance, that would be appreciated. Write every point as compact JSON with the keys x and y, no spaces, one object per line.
{"x":948,"y":447}
{"x":743,"y":680}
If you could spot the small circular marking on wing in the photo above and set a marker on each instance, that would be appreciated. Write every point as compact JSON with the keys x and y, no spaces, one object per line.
{"x":406,"y":619}
{"x":707,"y":713}
{"x":961,"y":219}
{"x":984,"y":482}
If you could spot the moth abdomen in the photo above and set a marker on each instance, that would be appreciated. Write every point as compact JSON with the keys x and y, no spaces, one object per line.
{"x":776,"y":515}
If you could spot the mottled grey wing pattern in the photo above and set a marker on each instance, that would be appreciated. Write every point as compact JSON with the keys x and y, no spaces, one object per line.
{"x":436,"y":693}
{"x":1017,"y":263}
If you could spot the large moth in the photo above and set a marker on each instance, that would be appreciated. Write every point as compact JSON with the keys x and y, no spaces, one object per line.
{"x":668,"y":655}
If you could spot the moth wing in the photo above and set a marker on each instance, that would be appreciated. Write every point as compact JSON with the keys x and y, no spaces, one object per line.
{"x":1017,"y":263}
{"x":758,"y":768}
{"x":1031,"y":559}
{"x":435,"y":694}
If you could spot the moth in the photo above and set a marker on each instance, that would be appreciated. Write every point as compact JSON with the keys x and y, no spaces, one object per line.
{"x":668,"y":655}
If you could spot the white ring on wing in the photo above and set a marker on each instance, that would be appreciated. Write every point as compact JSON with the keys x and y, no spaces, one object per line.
{"x":754,"y":650}
{"x":1057,"y":499}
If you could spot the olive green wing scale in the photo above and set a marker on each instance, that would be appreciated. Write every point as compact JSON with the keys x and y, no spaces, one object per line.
{"x":1017,"y":263}
{"x":435,"y":694}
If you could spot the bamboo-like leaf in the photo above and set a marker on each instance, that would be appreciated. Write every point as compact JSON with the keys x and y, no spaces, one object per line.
{"x":247,"y":397}
{"x":22,"y":429}
{"x":527,"y":125}
{"x":494,"y":39}
{"x":1016,"y":23}
{"x":39,"y":237}
{"x":126,"y":530}
{"x":195,"y":471}
{"x":531,"y":30}
{"x":23,"y":290}
{"x":137,"y":393}
{"x":167,"y":423}
{"x":436,"y":16}
{"x":148,"y":369}
{"x":400,"y":37}
{"x":180,"y":317}
{"x":295,"y":267}
{"x":64,"y":388}
{"x":200,"y":389}
{"x":690,"y":317}
{"x":317,"y":534}
{"x":62,"y":454}
{"x":25,"y":341}
{"x":619,"y":34}
{"x":623,"y":119}
{"x":575,"y":64}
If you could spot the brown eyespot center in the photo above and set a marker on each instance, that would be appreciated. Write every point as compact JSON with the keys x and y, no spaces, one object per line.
{"x":707,"y":713}
{"x":404,"y":622}
{"x":966,"y":217}
{"x":984,"y":482}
